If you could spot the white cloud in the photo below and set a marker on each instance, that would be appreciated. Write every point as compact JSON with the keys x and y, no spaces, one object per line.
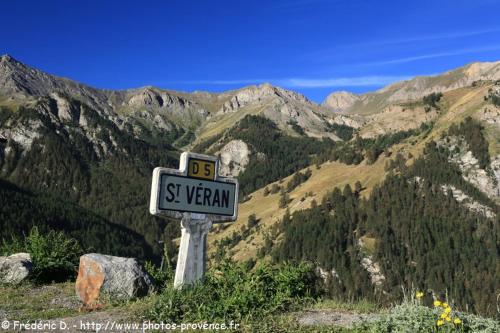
{"x":437,"y":36}
{"x":222,"y":82}
{"x":360,"y":81}
{"x":431,"y":56}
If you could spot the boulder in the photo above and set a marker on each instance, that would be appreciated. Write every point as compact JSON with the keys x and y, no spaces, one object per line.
{"x":15,"y":268}
{"x":116,"y":277}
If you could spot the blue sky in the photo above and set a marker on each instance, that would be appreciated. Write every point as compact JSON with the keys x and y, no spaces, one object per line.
{"x":311,"y":46}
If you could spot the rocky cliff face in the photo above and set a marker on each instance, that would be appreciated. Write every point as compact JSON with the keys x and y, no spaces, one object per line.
{"x":234,"y":158}
{"x":148,"y":109}
{"x":162,"y":109}
{"x":20,"y":81}
{"x":351,"y":121}
{"x":371,"y":266}
{"x":256,"y":94}
{"x":283,"y":107}
{"x":152,"y":98}
{"x":154,"y":114}
{"x":488,"y":181}
{"x":468,"y":202}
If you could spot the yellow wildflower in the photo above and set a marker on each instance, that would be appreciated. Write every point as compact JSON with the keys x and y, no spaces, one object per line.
{"x":447,"y":319}
{"x":440,"y":323}
{"x":457,"y":321}
{"x":447,"y":310}
{"x":437,"y":303}
{"x":420,"y":294}
{"x":443,"y":315}
{"x":445,"y":305}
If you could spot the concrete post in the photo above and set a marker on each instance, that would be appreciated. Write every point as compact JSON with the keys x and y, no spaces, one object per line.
{"x":191,"y":260}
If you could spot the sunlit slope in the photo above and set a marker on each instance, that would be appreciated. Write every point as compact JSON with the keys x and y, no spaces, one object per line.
{"x":266,"y":208}
{"x":455,"y":106}
{"x":460,"y":104}
{"x":220,"y":123}
{"x":418,"y":87}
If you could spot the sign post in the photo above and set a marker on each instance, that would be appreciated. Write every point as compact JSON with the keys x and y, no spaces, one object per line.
{"x":198,"y":196}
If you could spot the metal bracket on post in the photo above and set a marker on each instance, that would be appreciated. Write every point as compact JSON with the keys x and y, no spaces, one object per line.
{"x":192,"y":251}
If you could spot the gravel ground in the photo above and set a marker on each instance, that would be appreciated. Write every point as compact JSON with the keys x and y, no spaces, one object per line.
{"x":103,"y":321}
{"x":333,"y":318}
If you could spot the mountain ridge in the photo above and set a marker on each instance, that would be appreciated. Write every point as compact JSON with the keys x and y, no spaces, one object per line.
{"x":163,"y":108}
{"x":415,"y":88}
{"x":451,"y":79}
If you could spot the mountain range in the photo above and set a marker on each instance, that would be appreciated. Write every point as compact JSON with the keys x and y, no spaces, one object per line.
{"x":67,"y":147}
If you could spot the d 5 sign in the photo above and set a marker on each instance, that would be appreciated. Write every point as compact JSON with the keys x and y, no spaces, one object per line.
{"x":201,"y":169}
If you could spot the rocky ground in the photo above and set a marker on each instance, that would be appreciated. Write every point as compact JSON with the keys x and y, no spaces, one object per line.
{"x":58,"y":303}
{"x":333,"y":318}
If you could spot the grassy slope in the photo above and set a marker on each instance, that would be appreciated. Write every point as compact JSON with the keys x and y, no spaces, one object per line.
{"x":456,"y":105}
{"x":330,"y":175}
{"x":220,"y":123}
{"x":396,"y":118}
{"x":374,"y":102}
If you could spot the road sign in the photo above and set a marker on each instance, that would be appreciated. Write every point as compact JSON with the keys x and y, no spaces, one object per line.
{"x":195,"y":188}
{"x":198,"y":195}
{"x":183,"y":194}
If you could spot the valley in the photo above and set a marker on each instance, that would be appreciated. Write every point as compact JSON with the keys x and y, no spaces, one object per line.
{"x":377,"y":190}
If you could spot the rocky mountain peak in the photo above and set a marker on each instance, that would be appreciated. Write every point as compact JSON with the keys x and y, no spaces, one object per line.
{"x":152,"y":97}
{"x":267,"y":89}
{"x":10,"y":65}
{"x":20,"y":81}
{"x":340,"y":100}
{"x":257,"y":94}
{"x":483,"y":70}
{"x":6,"y":58}
{"x":17,"y":78}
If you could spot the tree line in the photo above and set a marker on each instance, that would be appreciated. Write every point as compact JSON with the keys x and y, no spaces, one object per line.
{"x":421,"y":237}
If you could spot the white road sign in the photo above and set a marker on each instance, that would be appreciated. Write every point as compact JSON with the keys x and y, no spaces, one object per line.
{"x":195,"y":188}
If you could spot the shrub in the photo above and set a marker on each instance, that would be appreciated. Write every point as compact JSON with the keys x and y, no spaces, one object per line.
{"x":297,"y":179}
{"x":296,"y":127}
{"x":342,"y":131}
{"x":432,"y":99}
{"x":163,"y":274}
{"x":275,"y":188}
{"x":410,"y":317}
{"x":232,"y":292}
{"x":266,"y":192}
{"x":252,"y":221}
{"x":284,"y":199}
{"x":493,"y":96}
{"x":55,"y":256}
